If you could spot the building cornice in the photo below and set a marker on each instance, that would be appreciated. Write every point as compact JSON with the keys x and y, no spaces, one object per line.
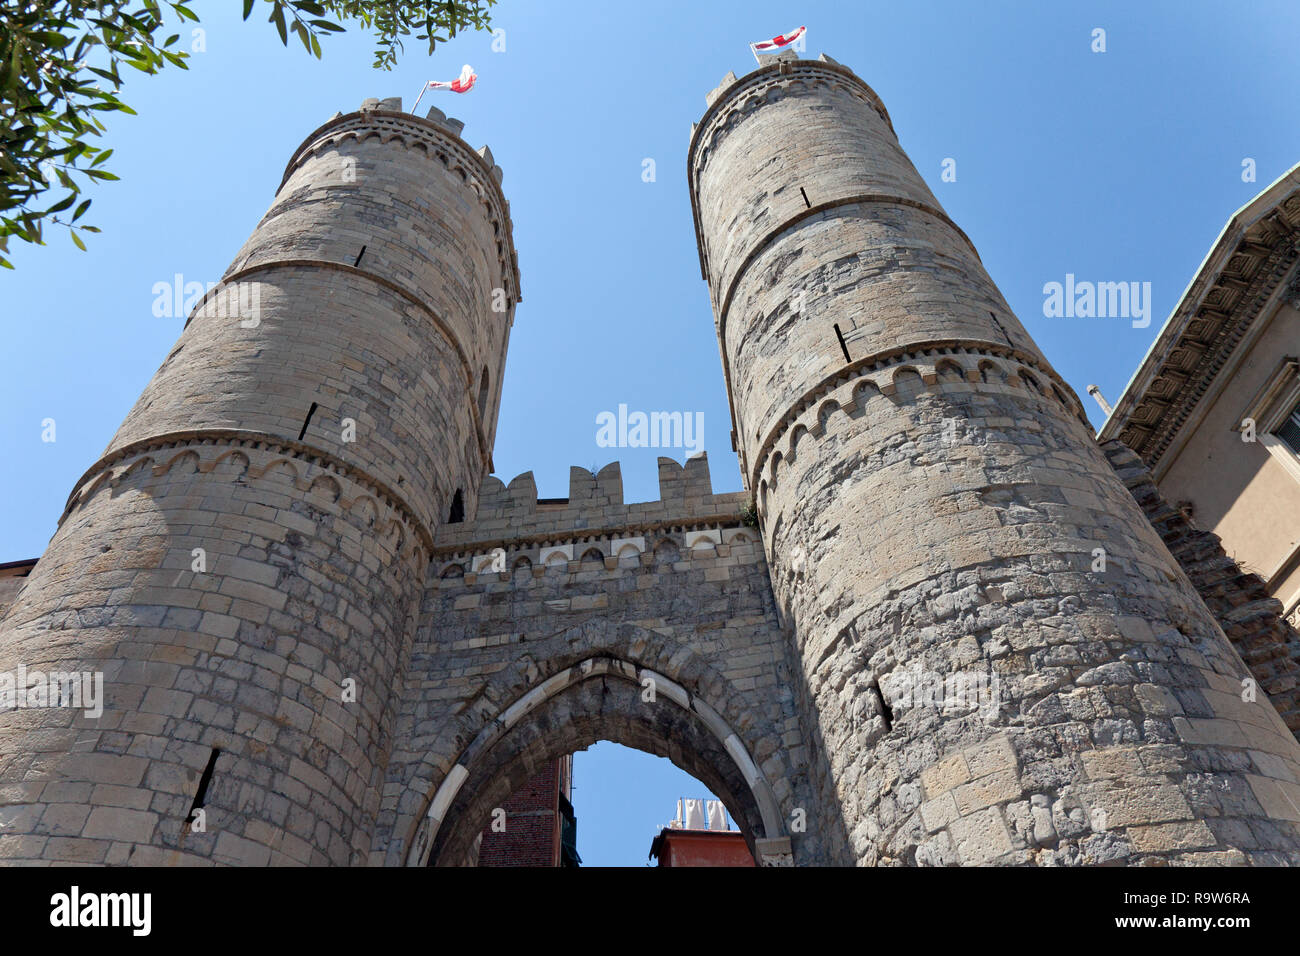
{"x":1236,"y":286}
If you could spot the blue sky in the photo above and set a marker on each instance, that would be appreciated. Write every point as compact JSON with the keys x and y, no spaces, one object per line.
{"x":1115,"y":166}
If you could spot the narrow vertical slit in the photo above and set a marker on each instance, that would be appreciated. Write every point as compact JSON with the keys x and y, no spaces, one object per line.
{"x":805,"y":197}
{"x":886,"y":711}
{"x":201,"y":797}
{"x":843,"y":347}
{"x":307,"y":421}
{"x":359,"y":255}
{"x":1001,"y":329}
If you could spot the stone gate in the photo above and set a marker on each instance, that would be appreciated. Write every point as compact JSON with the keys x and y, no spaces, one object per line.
{"x":937,"y":628}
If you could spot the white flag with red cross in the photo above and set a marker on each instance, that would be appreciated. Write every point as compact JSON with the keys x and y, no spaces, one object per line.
{"x":778,"y":43}
{"x":462,"y":84}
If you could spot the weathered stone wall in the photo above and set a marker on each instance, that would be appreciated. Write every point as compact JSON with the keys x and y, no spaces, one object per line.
{"x":396,"y":338}
{"x":1250,"y":617}
{"x":10,"y":585}
{"x":236,"y":564}
{"x":600,"y":602}
{"x":247,"y":657}
{"x":933,"y":506}
{"x":958,"y":639}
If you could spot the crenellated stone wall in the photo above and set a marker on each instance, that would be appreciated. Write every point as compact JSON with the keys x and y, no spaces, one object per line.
{"x":650,"y":624}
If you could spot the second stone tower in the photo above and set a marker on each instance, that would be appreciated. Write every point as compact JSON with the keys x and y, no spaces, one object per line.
{"x":1001,"y":662}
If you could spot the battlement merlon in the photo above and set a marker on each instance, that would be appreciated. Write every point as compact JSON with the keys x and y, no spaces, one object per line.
{"x":512,"y":517}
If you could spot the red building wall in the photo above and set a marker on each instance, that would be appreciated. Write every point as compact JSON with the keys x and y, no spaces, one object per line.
{"x":532,"y":822}
{"x":702,"y":848}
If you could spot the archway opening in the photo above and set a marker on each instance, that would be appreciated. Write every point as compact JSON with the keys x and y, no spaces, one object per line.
{"x":612,"y":806}
{"x":599,"y":699}
{"x":641,"y":810}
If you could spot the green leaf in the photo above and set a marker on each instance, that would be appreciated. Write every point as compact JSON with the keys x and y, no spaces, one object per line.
{"x":277,"y":17}
{"x":77,"y":239}
{"x":61,"y":78}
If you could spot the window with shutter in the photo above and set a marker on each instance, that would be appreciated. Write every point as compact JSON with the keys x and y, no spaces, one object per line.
{"x":1272,"y":417}
{"x":1289,"y":430}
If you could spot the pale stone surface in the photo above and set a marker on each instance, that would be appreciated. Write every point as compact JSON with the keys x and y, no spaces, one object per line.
{"x":315,"y":550}
{"x":913,"y":658}
{"x":931,"y":501}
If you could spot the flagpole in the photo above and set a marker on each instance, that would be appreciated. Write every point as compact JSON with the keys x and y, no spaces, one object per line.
{"x":416,"y":104}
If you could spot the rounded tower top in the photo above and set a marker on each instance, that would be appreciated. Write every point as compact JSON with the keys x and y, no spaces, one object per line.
{"x":438,"y":137}
{"x":366,"y":318}
{"x":823,"y":247}
{"x":764,"y":155}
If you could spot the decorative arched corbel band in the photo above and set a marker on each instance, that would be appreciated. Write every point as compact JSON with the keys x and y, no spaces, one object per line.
{"x":259,"y":440}
{"x":859,"y":199}
{"x":898,"y":356}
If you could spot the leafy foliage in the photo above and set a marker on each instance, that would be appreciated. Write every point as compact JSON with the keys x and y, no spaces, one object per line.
{"x":61,"y":67}
{"x":388,"y":20}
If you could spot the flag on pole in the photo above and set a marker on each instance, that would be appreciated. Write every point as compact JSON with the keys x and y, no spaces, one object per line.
{"x":462,"y":84}
{"x":777,"y":44}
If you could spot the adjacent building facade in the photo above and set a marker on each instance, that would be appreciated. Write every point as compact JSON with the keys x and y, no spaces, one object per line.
{"x":700,"y":835}
{"x":1214,"y":409}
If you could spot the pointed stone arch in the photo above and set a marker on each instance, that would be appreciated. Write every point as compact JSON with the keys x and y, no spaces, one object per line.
{"x":597,"y":698}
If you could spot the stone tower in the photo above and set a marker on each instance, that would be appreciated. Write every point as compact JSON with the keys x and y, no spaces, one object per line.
{"x":245,"y":562}
{"x":1000,"y":660}
{"x":328,"y":636}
